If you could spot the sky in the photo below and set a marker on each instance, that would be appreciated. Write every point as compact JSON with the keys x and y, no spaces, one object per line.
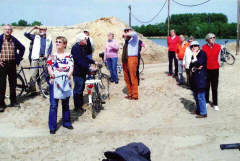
{"x":70,"y":12}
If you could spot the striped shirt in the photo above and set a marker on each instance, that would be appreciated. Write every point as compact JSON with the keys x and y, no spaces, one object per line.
{"x":7,"y":53}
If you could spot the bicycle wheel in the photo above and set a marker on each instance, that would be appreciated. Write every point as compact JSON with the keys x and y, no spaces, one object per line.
{"x":104,"y":87}
{"x":229,"y":58}
{"x":141,"y":65}
{"x":96,"y":102}
{"x":20,"y":86}
{"x":44,"y":86}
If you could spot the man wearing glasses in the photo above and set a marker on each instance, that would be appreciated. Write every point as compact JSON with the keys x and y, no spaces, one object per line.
{"x":212,"y":50}
{"x":11,"y":53}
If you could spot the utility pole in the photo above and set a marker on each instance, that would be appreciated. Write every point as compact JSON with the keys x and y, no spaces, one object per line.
{"x":130,"y":15}
{"x":168,"y":16}
{"x":238,"y":27}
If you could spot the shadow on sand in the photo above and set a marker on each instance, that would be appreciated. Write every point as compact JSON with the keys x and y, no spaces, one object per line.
{"x":188,"y":104}
{"x":73,"y":114}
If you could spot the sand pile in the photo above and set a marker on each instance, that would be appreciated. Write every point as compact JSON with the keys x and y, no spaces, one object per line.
{"x":98,"y":29}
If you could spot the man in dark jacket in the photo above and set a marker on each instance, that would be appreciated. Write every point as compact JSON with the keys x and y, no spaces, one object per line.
{"x":80,"y":52}
{"x":11,"y":53}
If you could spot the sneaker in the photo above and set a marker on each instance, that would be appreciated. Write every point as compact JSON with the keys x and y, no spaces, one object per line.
{"x":216,"y":108}
{"x":169,"y":74}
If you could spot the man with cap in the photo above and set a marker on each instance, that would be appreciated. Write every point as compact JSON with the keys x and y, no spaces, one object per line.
{"x":42,"y":47}
{"x":130,"y":62}
{"x":11,"y":53}
{"x":80,"y":52}
{"x":212,"y":50}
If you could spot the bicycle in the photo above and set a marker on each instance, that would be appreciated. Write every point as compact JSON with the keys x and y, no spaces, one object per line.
{"x":42,"y":80}
{"x":98,"y":90}
{"x":226,"y":57}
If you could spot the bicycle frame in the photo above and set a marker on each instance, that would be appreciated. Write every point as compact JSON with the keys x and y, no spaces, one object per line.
{"x":90,"y":85}
{"x":29,"y":68}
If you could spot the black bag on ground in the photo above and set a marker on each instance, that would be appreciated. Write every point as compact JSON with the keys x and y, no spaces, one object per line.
{"x":130,"y":152}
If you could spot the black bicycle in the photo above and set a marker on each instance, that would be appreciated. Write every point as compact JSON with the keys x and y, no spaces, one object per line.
{"x":42,"y":80}
{"x":226,"y":56}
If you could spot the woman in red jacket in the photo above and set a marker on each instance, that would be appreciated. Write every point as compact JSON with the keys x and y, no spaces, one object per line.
{"x":212,"y":51}
{"x":172,"y":42}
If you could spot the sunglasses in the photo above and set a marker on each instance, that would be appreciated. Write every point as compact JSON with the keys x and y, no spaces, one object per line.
{"x":195,"y":45}
{"x":60,"y":42}
{"x":212,"y":38}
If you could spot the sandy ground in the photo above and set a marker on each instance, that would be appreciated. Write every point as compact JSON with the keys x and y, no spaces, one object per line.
{"x":160,"y":119}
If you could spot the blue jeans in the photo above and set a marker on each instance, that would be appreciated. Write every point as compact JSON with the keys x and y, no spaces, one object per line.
{"x":112,"y":66}
{"x":200,"y":102}
{"x":79,"y":86}
{"x":66,"y":120}
{"x":180,"y":71}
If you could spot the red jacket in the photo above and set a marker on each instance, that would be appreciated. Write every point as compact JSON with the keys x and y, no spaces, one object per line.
{"x":172,"y":43}
{"x":212,"y":55}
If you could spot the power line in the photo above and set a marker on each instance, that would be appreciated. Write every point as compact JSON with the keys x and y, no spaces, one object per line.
{"x":190,"y":5}
{"x":141,"y":21}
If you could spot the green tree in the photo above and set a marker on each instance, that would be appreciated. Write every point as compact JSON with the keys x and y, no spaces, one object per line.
{"x":36,"y":23}
{"x":14,"y":24}
{"x":22,"y":23}
{"x":195,"y":24}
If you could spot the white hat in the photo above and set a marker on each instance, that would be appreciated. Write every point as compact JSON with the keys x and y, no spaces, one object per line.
{"x":81,"y":37}
{"x":85,"y":30}
{"x":195,"y":43}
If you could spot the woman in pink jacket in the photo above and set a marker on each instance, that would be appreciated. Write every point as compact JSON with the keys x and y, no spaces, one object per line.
{"x":111,"y":57}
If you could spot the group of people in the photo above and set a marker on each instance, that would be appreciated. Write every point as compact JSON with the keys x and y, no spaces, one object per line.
{"x":63,"y":65}
{"x":201,"y":65}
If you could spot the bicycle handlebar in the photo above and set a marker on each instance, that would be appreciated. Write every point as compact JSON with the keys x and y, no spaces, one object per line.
{"x":226,"y":41}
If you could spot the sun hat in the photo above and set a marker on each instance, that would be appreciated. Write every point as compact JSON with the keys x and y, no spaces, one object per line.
{"x":209,"y":36}
{"x":81,"y":37}
{"x":127,"y":28}
{"x":194,"y":43}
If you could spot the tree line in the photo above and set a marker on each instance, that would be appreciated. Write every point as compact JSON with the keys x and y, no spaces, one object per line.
{"x":195,"y":24}
{"x":25,"y":23}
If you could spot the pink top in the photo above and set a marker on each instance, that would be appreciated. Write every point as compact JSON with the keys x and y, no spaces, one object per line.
{"x":172,"y":43}
{"x":111,"y":49}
